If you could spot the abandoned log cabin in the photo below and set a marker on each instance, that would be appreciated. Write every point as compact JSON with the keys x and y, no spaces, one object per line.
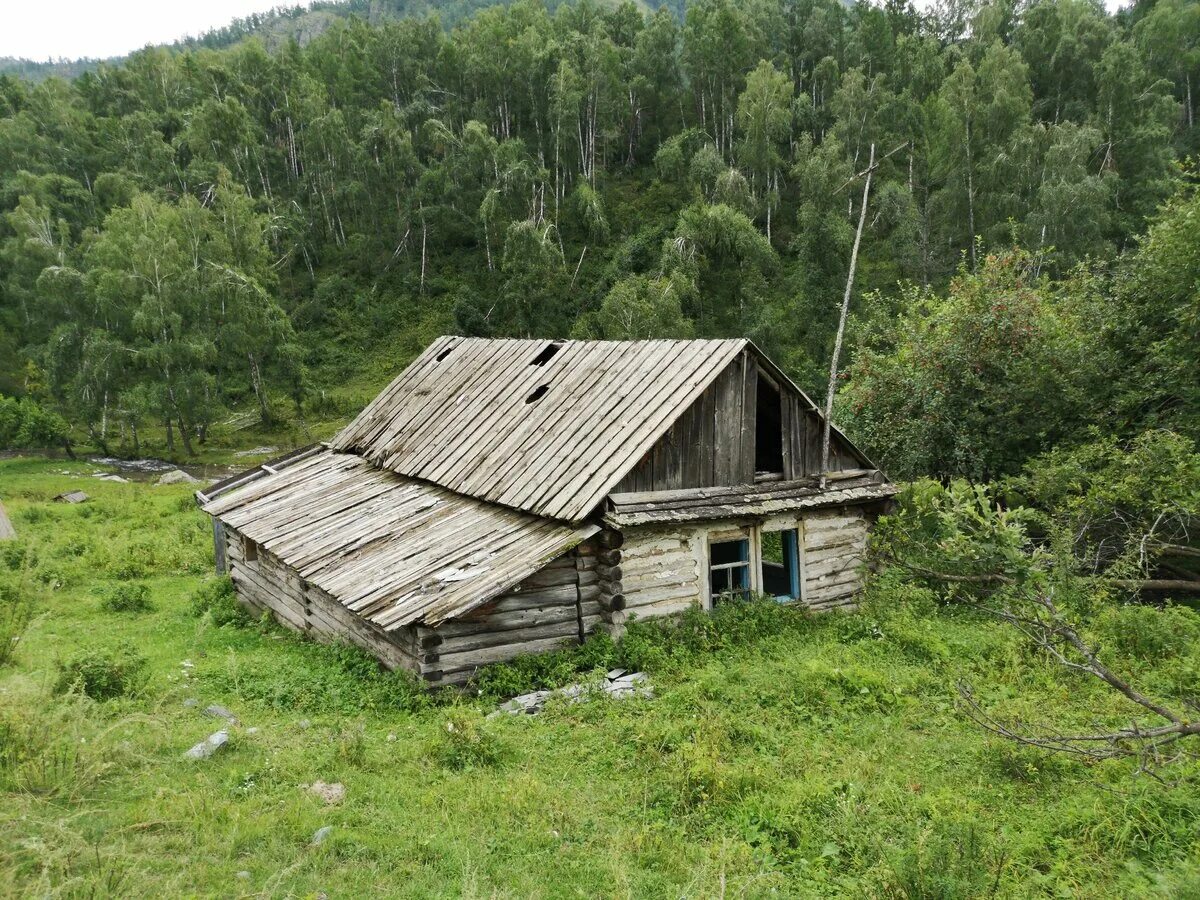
{"x":503,"y":497}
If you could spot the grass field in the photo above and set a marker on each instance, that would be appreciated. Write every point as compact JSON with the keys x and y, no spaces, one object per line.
{"x":782,"y":756}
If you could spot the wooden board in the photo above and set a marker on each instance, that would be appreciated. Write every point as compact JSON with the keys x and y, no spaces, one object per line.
{"x":7,"y":532}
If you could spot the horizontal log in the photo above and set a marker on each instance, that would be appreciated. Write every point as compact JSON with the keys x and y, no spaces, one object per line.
{"x":472,"y":660}
{"x":508,"y":621}
{"x":652,"y":593}
{"x":609,"y":557}
{"x":470,"y":642}
{"x":563,"y":595}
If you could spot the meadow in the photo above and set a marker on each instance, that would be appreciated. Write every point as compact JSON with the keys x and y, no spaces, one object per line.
{"x":782,"y":755}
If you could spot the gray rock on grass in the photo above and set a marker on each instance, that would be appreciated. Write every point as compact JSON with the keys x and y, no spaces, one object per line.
{"x":217,"y":711}
{"x":208,"y":746}
{"x":177,"y":476}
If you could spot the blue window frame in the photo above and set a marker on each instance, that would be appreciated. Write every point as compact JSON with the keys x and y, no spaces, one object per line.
{"x":729,"y":569}
{"x":781,"y":564}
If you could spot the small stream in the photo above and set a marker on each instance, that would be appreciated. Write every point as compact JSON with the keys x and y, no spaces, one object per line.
{"x":151,"y":469}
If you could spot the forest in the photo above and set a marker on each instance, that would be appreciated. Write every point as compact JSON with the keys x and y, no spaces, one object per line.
{"x":198,"y":231}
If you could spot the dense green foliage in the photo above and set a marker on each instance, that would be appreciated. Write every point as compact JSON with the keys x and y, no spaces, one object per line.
{"x":782,"y":754}
{"x":197,"y":229}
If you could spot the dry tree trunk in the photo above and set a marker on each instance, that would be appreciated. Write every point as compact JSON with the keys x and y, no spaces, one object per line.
{"x":841,"y":329}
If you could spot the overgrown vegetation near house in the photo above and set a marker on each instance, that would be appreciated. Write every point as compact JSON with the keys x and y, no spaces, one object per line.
{"x":826,"y":756}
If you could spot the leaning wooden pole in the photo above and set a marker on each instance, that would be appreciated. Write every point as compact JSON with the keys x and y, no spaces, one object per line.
{"x":841,"y":329}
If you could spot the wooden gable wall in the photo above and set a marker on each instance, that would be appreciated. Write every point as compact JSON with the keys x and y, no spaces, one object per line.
{"x":713,"y":442}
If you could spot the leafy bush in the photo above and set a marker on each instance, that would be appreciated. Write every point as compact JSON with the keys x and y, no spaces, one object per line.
{"x":217,"y":599}
{"x":127,"y":597}
{"x":25,"y":425}
{"x":466,"y":743}
{"x":103,"y":674}
{"x":137,"y":561}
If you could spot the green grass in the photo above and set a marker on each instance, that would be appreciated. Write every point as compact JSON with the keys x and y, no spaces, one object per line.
{"x":782,"y":756}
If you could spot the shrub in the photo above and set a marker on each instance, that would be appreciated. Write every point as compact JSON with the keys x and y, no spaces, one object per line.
{"x":138,"y":561}
{"x":127,"y":597}
{"x":103,"y":674}
{"x":465,"y":743}
{"x":217,"y":600}
{"x":24,"y":425}
{"x":954,"y":860}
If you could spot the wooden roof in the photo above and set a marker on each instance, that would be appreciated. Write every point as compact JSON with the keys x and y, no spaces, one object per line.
{"x":540,"y":426}
{"x":393,"y":550}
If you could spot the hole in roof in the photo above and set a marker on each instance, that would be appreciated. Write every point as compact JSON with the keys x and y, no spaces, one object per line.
{"x":444,"y":353}
{"x":537,"y":393}
{"x":546,"y":354}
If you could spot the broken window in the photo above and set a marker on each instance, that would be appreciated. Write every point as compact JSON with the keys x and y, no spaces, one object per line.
{"x":249,"y":550}
{"x":781,"y":564}
{"x":768,"y":429}
{"x":729,"y":569}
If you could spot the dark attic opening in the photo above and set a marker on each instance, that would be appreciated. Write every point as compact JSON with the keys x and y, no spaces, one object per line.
{"x":546,"y":355}
{"x":768,"y":430}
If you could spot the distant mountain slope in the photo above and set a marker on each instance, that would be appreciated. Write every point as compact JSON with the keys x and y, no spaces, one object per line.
{"x":281,"y":24}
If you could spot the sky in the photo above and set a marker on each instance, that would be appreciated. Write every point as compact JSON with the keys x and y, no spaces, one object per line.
{"x":70,"y":29}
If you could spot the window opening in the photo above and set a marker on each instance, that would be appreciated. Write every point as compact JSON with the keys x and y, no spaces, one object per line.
{"x":781,"y":564}
{"x":729,"y":569}
{"x":538,"y":392}
{"x":249,"y":550}
{"x":768,"y":429}
{"x":546,"y":355}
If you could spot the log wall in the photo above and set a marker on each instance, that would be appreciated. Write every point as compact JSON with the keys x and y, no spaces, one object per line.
{"x":663,"y":569}
{"x":835,"y":545}
{"x":267,"y":584}
{"x":556,"y":607}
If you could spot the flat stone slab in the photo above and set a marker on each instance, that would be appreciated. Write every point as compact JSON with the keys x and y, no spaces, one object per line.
{"x":617,"y":684}
{"x":208,"y":746}
{"x":177,"y":476}
{"x":217,"y":711}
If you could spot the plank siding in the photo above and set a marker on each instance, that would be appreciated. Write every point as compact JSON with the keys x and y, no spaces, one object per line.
{"x":711,"y":444}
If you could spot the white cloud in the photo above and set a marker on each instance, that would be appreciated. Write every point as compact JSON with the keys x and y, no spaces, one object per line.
{"x":52,"y":29}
